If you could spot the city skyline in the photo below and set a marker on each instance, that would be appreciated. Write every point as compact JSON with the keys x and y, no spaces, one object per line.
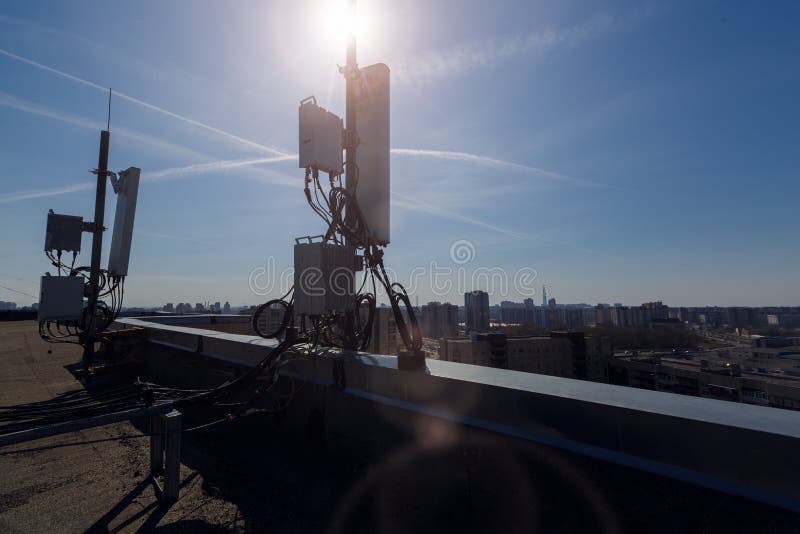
{"x":457,"y":302}
{"x":628,"y":166}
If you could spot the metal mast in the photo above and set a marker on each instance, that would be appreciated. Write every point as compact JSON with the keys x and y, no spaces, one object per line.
{"x":97,"y":247}
{"x":350,"y":72}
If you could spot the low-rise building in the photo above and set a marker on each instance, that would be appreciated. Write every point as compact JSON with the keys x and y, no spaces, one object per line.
{"x":565,"y":354}
{"x":704,"y":378}
{"x":785,"y":320}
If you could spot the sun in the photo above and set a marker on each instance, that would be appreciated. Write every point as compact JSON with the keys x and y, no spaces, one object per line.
{"x":339,"y":19}
{"x":342,"y":15}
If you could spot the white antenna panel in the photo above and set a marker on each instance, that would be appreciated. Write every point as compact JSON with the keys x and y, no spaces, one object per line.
{"x":123,"y":222}
{"x":372,"y":152}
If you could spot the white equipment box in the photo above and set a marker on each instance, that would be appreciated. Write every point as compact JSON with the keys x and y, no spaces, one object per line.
{"x":320,"y":138}
{"x":324,"y":278}
{"x":60,"y":298}
{"x":372,"y":152}
{"x":63,"y":232}
{"x":127,"y":191}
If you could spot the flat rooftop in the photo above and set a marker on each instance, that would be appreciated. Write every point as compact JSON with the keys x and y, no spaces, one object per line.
{"x":91,"y":479}
{"x":271,"y":473}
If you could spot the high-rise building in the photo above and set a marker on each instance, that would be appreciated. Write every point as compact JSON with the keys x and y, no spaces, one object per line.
{"x":602,"y":315}
{"x":476,"y":310}
{"x":438,"y":320}
{"x":227,"y":307}
{"x":169,"y":307}
{"x":384,"y":333}
{"x":657,"y":310}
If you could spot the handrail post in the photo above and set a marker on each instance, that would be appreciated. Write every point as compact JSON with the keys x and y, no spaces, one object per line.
{"x":172,"y":470}
{"x":156,"y":444}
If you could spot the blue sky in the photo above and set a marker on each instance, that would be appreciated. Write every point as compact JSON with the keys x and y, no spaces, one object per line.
{"x":624,"y":151}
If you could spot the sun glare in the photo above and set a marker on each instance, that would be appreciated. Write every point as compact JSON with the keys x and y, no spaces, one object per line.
{"x":340,"y":18}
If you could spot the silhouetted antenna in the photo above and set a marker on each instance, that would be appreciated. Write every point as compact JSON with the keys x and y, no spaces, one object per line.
{"x":108,"y":123}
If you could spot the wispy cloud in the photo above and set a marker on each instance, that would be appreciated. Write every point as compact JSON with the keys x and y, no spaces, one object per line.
{"x":485,"y":160}
{"x":413,"y":204}
{"x":48,"y":31}
{"x":147,"y":105}
{"x":172,"y":237}
{"x":433,"y":64}
{"x":162,"y":72}
{"x":267,"y":176}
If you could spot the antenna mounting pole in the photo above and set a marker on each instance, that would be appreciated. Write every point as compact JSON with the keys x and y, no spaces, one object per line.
{"x":97,"y":247}
{"x":350,"y":72}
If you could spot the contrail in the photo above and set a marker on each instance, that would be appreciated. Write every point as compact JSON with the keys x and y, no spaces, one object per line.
{"x":8,"y":198}
{"x":485,"y":160}
{"x":417,"y":205}
{"x":201,"y":125}
{"x":164,"y":174}
{"x":201,"y":168}
{"x":52,"y":70}
{"x":440,"y":154}
{"x":142,"y":103}
{"x":29,"y":107}
{"x":405,"y":201}
{"x":409,"y":203}
{"x":35,"y":109}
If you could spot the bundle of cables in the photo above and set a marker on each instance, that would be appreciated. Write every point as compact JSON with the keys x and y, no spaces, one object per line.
{"x":239,"y":393}
{"x":109,"y":287}
{"x":67,"y":407}
{"x":339,"y":208}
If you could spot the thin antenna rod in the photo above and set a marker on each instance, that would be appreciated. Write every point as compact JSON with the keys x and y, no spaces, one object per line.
{"x":108,"y":124}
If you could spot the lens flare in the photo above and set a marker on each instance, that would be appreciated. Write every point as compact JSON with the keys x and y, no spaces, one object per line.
{"x":339,"y":19}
